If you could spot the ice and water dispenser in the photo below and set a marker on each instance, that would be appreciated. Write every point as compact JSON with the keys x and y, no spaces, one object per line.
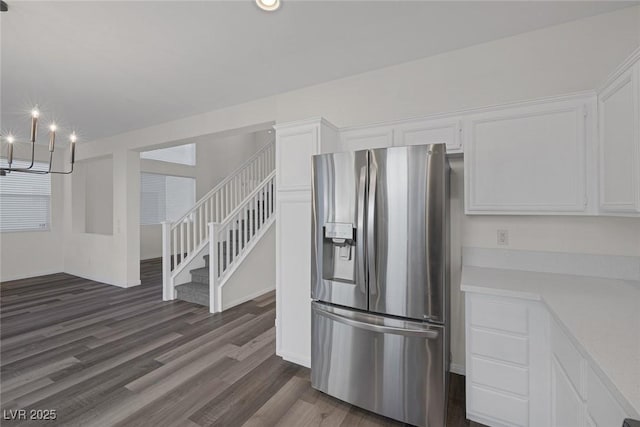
{"x":339,"y":252}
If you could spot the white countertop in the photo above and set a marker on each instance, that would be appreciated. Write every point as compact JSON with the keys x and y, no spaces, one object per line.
{"x":601,"y":315}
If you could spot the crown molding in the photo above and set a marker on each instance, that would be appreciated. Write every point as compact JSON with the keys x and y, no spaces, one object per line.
{"x":620,"y":69}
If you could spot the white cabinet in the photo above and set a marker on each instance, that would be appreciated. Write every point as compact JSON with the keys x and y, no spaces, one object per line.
{"x":523,"y":370}
{"x":619,"y":119}
{"x":431,"y":131}
{"x":294,"y":148}
{"x":579,"y":396}
{"x":529,"y":159}
{"x":409,"y":132}
{"x":505,"y":347}
{"x":364,"y":138}
{"x":295,"y":144}
{"x":566,"y":405}
{"x":602,"y":407}
{"x":293,"y":272}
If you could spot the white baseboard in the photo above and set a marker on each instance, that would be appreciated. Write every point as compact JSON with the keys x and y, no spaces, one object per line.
{"x":30,"y":275}
{"x":295,"y":358}
{"x":457,"y":368}
{"x":83,"y":276}
{"x":104,"y":280}
{"x":238,"y":301}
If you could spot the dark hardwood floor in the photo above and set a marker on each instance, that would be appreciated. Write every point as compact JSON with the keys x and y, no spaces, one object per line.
{"x":103,"y":356}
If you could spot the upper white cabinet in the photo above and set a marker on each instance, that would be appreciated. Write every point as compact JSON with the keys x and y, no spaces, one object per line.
{"x":619,"y":120}
{"x":433,"y":131}
{"x":409,"y":132}
{"x":529,"y":158}
{"x":365,"y":138}
{"x":295,"y":144}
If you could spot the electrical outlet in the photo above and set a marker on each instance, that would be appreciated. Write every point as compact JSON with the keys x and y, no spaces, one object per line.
{"x":503,"y":237}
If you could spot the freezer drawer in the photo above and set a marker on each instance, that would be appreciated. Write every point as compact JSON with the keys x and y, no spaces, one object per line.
{"x":393,"y":367}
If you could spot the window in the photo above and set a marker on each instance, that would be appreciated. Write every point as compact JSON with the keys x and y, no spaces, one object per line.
{"x":164,"y":197}
{"x":183,"y":154}
{"x":25,"y":199}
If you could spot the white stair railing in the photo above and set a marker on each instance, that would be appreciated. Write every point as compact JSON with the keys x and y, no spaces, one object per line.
{"x":232,"y":239}
{"x":183,"y":239}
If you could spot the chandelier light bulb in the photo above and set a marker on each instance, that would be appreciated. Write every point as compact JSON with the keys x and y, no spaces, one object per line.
{"x":268,"y":5}
{"x":53,"y":128}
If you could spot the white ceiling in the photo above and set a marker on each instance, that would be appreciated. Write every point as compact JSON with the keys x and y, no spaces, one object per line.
{"x":109,"y":67}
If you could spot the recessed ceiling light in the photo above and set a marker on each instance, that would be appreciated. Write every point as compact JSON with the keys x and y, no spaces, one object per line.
{"x":268,"y":5}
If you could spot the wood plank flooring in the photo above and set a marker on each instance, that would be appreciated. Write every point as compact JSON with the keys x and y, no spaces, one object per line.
{"x":104,"y":356}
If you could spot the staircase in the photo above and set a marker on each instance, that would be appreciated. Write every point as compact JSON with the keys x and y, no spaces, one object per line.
{"x":219,"y":231}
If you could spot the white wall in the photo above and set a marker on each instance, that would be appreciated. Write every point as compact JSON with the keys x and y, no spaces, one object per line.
{"x":99,"y":195}
{"x":34,"y":253}
{"x":256,"y":275}
{"x":218,"y":157}
{"x":556,"y":60}
{"x":112,"y":259}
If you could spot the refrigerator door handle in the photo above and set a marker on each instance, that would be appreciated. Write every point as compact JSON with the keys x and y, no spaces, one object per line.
{"x":383,"y":329}
{"x":362,"y":274}
{"x":371,"y":231}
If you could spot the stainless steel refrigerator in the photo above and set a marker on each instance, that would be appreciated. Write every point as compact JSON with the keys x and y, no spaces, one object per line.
{"x":380,"y":280}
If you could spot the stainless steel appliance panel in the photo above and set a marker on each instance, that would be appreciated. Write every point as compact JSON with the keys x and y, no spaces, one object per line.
{"x":338,"y":272}
{"x":389,"y":366}
{"x":407,"y":243}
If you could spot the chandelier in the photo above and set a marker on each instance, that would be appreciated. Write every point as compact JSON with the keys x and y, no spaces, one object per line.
{"x":35,"y":114}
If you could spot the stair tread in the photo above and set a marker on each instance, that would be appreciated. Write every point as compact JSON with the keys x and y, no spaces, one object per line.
{"x":200,"y":271}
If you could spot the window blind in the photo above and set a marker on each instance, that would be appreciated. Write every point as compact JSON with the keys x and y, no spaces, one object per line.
{"x":25,"y":199}
{"x":165,"y":197}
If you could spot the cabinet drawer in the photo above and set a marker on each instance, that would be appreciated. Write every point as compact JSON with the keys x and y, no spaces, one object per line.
{"x":500,"y":346}
{"x":569,"y":358}
{"x":499,"y":315}
{"x":601,"y":405}
{"x":499,"y":375}
{"x":512,"y":410}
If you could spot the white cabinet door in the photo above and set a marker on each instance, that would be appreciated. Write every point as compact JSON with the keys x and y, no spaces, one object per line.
{"x":296,"y":143}
{"x":293,"y":270}
{"x":506,"y":361}
{"x":448,"y":131}
{"x":566,"y":405}
{"x":528,"y":159}
{"x":294,"y":148}
{"x":602,"y":407}
{"x":365,"y":138}
{"x":619,"y":111}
